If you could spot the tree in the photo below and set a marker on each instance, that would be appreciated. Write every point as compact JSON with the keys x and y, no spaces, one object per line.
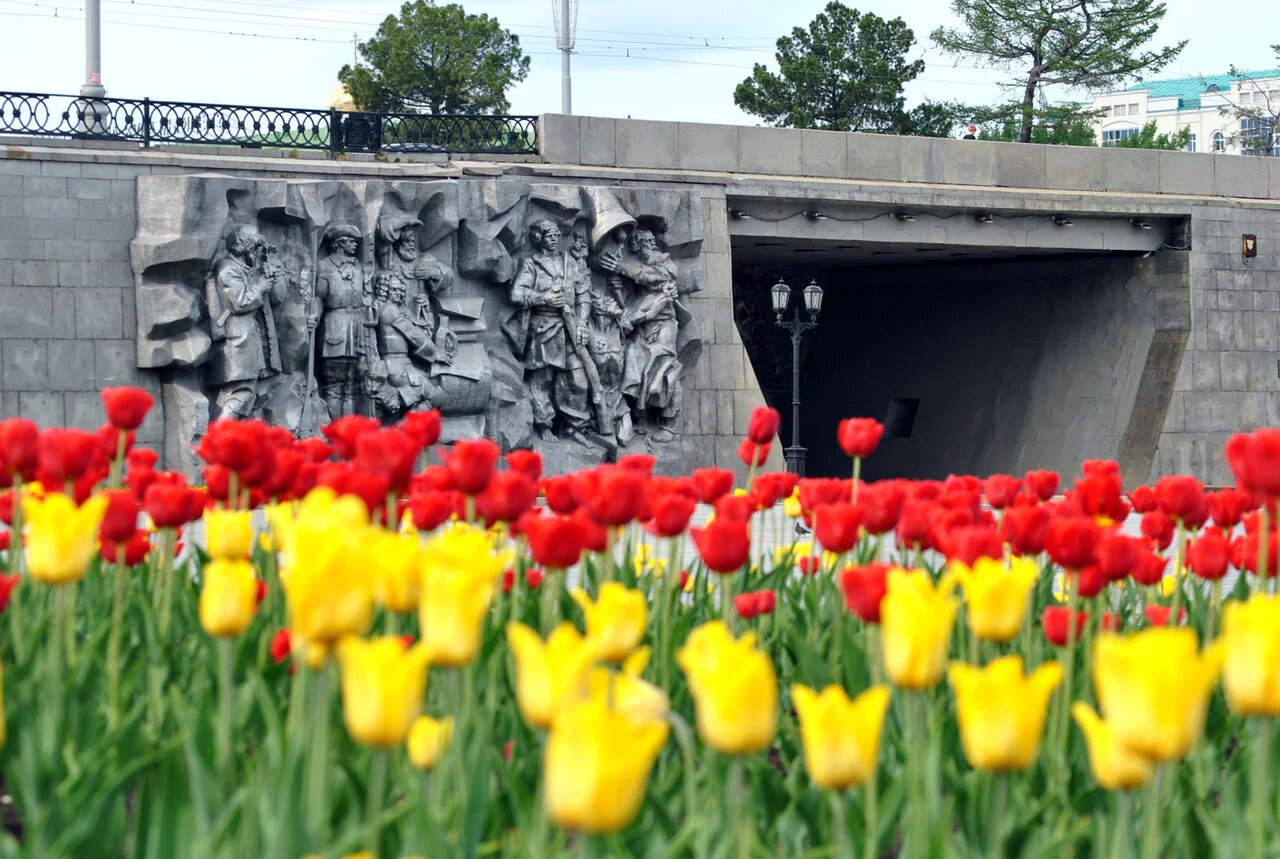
{"x":1071,"y":130}
{"x":844,"y":73}
{"x":1076,"y":43}
{"x":1257,"y":124}
{"x":437,"y":59}
{"x":1147,"y":138}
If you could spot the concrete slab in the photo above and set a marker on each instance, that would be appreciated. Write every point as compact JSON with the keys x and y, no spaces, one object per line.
{"x":1237,"y":176}
{"x":770,"y":150}
{"x":597,"y":140}
{"x":1019,"y":165}
{"x":824,"y":153}
{"x":874,"y":156}
{"x":704,"y":146}
{"x":644,"y":143}
{"x":558,"y":138}
{"x":1186,"y":173}
{"x":1133,"y":170}
{"x":1075,"y":168}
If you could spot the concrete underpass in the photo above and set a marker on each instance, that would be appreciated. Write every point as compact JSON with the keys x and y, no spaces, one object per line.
{"x":984,"y":342}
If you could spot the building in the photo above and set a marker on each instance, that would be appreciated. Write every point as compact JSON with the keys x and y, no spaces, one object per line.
{"x":1194,"y":102}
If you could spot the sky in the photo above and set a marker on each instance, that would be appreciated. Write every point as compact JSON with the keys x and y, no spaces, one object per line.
{"x":660,"y":59}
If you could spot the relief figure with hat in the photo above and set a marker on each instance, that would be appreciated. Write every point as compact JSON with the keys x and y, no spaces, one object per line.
{"x":343,"y":291}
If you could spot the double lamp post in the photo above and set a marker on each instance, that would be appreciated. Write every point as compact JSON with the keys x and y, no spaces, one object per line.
{"x":812,"y":301}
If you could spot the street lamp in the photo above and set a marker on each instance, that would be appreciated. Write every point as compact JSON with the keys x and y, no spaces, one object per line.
{"x":780,"y":295}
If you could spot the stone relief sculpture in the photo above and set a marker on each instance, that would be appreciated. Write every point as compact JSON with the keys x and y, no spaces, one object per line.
{"x":551,"y":316}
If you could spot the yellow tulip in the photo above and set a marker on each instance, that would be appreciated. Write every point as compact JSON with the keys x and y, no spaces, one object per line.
{"x":841,"y":737}
{"x":61,"y":539}
{"x":228,"y":597}
{"x":791,"y":506}
{"x":1251,"y":675}
{"x":596,"y":766}
{"x":428,"y":740}
{"x":734,"y":688}
{"x":915,"y":627}
{"x":228,"y":533}
{"x":996,"y":595}
{"x":459,"y":572}
{"x":326,"y":569}
{"x":616,"y":621}
{"x":383,"y":684}
{"x":1001,"y":711}
{"x":1153,"y":688}
{"x":399,"y":583}
{"x":630,"y":693}
{"x":1114,"y":766}
{"x":547,"y":673}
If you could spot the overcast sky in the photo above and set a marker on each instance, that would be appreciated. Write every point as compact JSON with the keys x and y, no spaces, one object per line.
{"x":686,"y":56}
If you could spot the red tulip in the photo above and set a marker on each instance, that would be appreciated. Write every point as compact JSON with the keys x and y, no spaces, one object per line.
{"x":1144,"y":499}
{"x":1158,"y":615}
{"x":19,"y":448}
{"x":7,"y":584}
{"x":770,"y":487}
{"x":1148,"y":567}
{"x":559,"y":493}
{"x":346,"y":431}
{"x":135,"y":548}
{"x":533,"y":577}
{"x":345,"y":478}
{"x":391,"y":453}
{"x":282,"y":478}
{"x":969,"y":543}
{"x":864,"y":588}
{"x":109,"y":439}
{"x":753,"y":454}
{"x":762,"y":426}
{"x":881,"y":505}
{"x":5,"y":538}
{"x":260,"y":594}
{"x":126,"y":407}
{"x":671,"y":514}
{"x":555,"y":542}
{"x":1100,"y":495}
{"x":1254,"y":458}
{"x":1055,"y":621}
{"x":640,"y":463}
{"x":1228,"y":506}
{"x":736,"y":507}
{"x":65,"y":454}
{"x":527,"y":462}
{"x":235,"y":445}
{"x":723,"y":543}
{"x":314,"y":449}
{"x":1089,"y":582}
{"x":281,"y":646}
{"x":1026,"y":528}
{"x":1244,"y":553}
{"x":747,"y":605}
{"x":470,"y":462}
{"x":1180,"y":495}
{"x":171,"y":505}
{"x":837,"y":526}
{"x":508,"y":580}
{"x":1117,"y":554}
{"x":594,"y":536}
{"x":1043,"y":484}
{"x":1208,"y":554}
{"x":613,"y":495}
{"x":430,"y":510}
{"x":1072,"y":541}
{"x":121,"y":518}
{"x":1158,"y":528}
{"x":711,"y":483}
{"x":141,"y":457}
{"x":858,"y":437}
{"x":423,"y":426}
{"x":509,"y":494}
{"x":1000,"y":490}
{"x":766,"y":601}
{"x":1109,"y":621}
{"x":915,"y":525}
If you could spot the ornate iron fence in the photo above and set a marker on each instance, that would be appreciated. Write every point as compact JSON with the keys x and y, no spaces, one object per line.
{"x":146,"y":122}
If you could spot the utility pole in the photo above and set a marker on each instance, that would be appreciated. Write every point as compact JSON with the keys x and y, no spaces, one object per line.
{"x":565,"y":14}
{"x":92,"y":87}
{"x":355,"y":48}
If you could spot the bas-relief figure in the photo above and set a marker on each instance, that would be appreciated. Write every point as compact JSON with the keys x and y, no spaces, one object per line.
{"x":569,"y":331}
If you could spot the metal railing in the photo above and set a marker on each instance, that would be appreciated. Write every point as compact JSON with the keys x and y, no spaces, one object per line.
{"x":148,"y":121}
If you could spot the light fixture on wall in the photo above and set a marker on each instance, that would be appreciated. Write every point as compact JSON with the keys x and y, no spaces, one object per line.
{"x":1139,"y":224}
{"x":815,"y":215}
{"x":1063,"y":221}
{"x":904,"y":217}
{"x":983,"y":218}
{"x":739,"y":215}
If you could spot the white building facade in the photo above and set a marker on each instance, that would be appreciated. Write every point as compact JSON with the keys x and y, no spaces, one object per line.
{"x":1197,"y":103}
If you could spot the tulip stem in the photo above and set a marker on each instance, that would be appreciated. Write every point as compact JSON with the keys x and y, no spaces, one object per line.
{"x":840,"y":825}
{"x":1259,"y":763}
{"x":66,"y":608}
{"x":1215,"y":606}
{"x":1124,"y":826}
{"x":17,"y":548}
{"x":1179,"y":538}
{"x":916,"y":756}
{"x":377,"y":787}
{"x":1001,"y":790}
{"x":113,"y":642}
{"x":737,"y":806}
{"x":226,"y":683}
{"x":1068,"y":676}
{"x":871,"y":841}
{"x":1263,"y":554}
{"x":1151,"y":822}
{"x":317,"y":767}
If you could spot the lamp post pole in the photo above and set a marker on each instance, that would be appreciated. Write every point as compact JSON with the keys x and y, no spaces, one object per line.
{"x":812,"y":301}
{"x":92,"y":87}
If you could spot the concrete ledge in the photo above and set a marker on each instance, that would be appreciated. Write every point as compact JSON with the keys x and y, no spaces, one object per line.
{"x":644,"y":143}
{"x":1186,"y":173}
{"x":770,"y":150}
{"x":704,"y":146}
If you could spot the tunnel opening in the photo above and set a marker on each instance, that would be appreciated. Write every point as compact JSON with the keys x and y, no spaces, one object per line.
{"x":976,"y":363}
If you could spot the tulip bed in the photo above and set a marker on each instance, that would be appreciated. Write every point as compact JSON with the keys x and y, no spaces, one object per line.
{"x":519,"y":665}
